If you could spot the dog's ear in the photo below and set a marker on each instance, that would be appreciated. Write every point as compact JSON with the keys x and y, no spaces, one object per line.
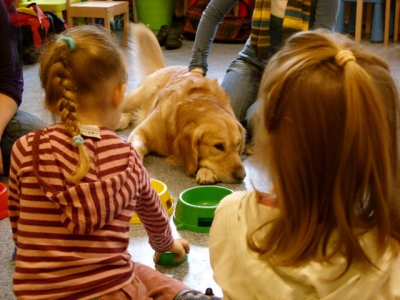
{"x":186,"y":148}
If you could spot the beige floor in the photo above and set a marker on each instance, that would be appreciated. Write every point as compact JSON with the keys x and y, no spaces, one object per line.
{"x":196,"y":272}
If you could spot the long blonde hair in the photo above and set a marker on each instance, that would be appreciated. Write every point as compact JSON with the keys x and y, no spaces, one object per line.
{"x":81,"y":62}
{"x":328,"y":132}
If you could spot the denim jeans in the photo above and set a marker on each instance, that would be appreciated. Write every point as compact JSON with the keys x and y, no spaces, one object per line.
{"x":21,"y":124}
{"x":243,"y":77}
{"x":241,"y":82}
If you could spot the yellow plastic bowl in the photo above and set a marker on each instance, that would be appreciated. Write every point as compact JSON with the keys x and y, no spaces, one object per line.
{"x":166,"y":200}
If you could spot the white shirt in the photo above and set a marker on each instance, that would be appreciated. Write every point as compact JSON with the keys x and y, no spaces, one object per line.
{"x":242,"y":275}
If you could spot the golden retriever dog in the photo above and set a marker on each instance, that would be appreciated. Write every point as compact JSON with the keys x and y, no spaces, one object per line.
{"x":187,"y":119}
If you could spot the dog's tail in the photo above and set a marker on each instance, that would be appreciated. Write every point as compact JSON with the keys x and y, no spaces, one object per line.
{"x":147,"y":53}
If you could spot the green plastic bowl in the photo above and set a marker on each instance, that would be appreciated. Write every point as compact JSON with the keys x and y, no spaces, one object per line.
{"x":196,"y":207}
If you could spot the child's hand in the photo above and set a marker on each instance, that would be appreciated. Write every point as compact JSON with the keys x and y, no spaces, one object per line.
{"x":181,"y":247}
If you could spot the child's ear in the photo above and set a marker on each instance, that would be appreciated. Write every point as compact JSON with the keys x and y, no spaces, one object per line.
{"x":118,"y":95}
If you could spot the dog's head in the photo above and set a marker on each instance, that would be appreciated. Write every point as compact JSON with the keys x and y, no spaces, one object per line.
{"x":213,"y":139}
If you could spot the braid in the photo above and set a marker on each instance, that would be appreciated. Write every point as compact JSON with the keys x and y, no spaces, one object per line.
{"x":65,"y":100}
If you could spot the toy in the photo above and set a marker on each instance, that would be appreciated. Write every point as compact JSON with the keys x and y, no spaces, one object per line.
{"x":14,"y":255}
{"x":168,"y":259}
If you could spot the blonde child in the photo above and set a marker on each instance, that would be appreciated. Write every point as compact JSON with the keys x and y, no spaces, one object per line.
{"x":75,"y":185}
{"x":327,"y":132}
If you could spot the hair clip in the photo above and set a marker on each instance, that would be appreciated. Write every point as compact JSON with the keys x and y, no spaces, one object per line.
{"x":70,"y":42}
{"x":78,"y":140}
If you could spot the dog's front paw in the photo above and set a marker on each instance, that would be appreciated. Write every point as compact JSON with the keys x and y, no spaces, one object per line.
{"x":205,"y":176}
{"x":125,"y":121}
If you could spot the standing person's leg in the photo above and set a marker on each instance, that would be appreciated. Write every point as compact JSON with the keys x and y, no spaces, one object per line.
{"x":241,"y":82}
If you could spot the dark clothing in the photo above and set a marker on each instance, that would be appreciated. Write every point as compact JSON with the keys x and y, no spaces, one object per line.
{"x":12,"y":82}
{"x":21,"y":124}
{"x":11,"y":76}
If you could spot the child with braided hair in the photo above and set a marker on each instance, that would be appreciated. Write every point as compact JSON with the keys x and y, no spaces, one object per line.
{"x":75,"y":185}
{"x":327,"y":133}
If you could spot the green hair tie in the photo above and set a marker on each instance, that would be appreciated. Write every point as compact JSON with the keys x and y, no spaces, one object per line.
{"x":70,"y":42}
{"x":78,"y":140}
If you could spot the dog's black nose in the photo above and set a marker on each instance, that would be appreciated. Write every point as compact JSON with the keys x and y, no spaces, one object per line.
{"x":239,"y":175}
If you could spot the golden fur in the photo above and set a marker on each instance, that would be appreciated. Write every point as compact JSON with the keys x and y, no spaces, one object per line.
{"x":187,"y":119}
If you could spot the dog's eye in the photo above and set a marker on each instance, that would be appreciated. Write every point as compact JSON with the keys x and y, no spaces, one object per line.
{"x":219,"y":147}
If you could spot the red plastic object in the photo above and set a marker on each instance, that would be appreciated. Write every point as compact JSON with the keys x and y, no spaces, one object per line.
{"x":244,"y":9}
{"x":3,"y":201}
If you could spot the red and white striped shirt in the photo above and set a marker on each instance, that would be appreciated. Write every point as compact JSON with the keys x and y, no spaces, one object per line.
{"x":72,"y":238}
